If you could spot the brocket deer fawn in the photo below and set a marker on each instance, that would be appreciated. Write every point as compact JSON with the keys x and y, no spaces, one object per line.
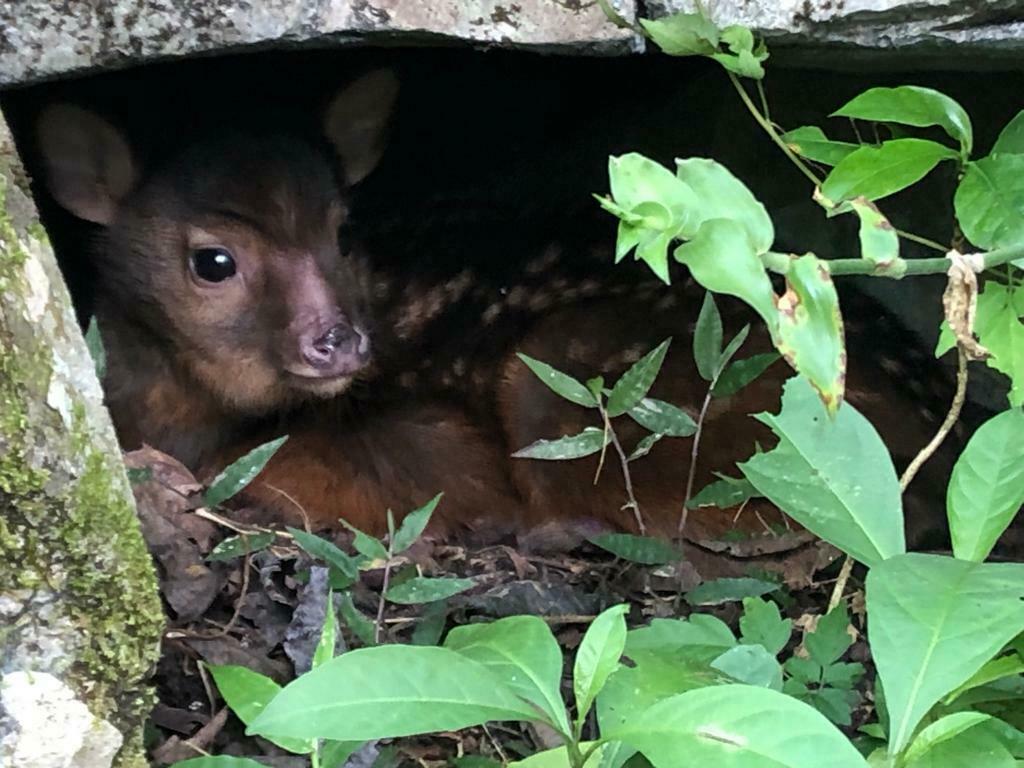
{"x":231,"y":315}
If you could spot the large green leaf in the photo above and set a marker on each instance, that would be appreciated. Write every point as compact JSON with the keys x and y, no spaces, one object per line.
{"x":635,"y":383}
{"x":390,"y":691}
{"x":598,"y":656}
{"x":943,"y":729}
{"x":977,"y":747}
{"x":524,"y":655}
{"x":1011,"y":138}
{"x":933,"y":622}
{"x":722,"y":259}
{"x":987,"y":486}
{"x":240,"y":473}
{"x":876,"y":172}
{"x":811,"y":142}
{"x":560,"y":383}
{"x":912,"y":105}
{"x":720,"y":195}
{"x":833,"y":475}
{"x":737,"y":726}
{"x":590,"y":440}
{"x":989,"y":202}
{"x":811,"y":329}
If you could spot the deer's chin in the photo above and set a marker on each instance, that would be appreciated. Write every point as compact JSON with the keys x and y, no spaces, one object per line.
{"x":318,"y":386}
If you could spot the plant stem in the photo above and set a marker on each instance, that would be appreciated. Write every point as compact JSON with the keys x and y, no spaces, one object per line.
{"x":314,"y":757}
{"x":693,"y":459}
{"x":378,"y":625}
{"x":947,"y":425}
{"x":624,"y":462}
{"x":840,"y":587}
{"x":922,"y":241}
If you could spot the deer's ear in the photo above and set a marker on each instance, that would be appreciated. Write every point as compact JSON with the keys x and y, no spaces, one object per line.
{"x":356,"y":122}
{"x":88,"y":164}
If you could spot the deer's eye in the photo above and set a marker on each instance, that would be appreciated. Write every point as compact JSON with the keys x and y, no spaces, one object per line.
{"x":213,"y":265}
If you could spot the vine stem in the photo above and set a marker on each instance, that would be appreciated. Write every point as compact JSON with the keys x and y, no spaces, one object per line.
{"x":692,"y":473}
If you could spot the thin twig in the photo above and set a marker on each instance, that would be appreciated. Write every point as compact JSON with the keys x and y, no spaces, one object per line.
{"x":840,"y":585}
{"x":223,"y":631}
{"x":693,"y":461}
{"x":497,"y":747}
{"x":378,"y":625}
{"x":624,"y":461}
{"x":302,"y":511}
{"x":947,"y":425}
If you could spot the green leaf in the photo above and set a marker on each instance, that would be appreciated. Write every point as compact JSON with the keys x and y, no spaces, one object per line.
{"x":596,"y":387}
{"x":724,"y":493}
{"x":720,"y":195}
{"x":643,"y":447}
{"x":390,"y":691}
{"x":590,"y":440}
{"x":729,"y":590}
{"x":877,"y":172}
{"x":743,"y":58}
{"x":421,"y":589}
{"x":933,"y":622}
{"x":242,"y":472}
{"x":707,"y":338}
{"x":761,"y":624}
{"x":722,"y":259}
{"x":811,"y":329}
{"x":560,"y":383}
{"x":941,"y":730}
{"x":879,"y":242}
{"x":598,"y":656}
{"x":98,"y":353}
{"x":842,"y":675}
{"x":248,"y":693}
{"x":700,"y":637}
{"x":996,"y":669}
{"x":322,"y":549}
{"x":741,"y":373}
{"x":243,"y":544}
{"x":412,"y":526}
{"x":218,"y":761}
{"x":751,"y":664}
{"x":912,"y":105}
{"x":830,"y":640}
{"x":683,"y":34}
{"x":833,"y":475}
{"x":731,"y":349}
{"x":662,"y":418}
{"x":986,"y":489}
{"x":368,"y":546}
{"x":976,"y":747}
{"x":1011,"y":138}
{"x":810,"y":141}
{"x":636,"y":382}
{"x":638,"y":549}
{"x":989,"y":201}
{"x":334,"y":754}
{"x":328,"y":636}
{"x":559,"y":757}
{"x":523,"y":654}
{"x":431,"y":624}
{"x":360,"y":625}
{"x":737,"y":726}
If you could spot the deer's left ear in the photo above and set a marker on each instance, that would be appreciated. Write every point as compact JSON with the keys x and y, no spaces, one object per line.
{"x":356,"y":122}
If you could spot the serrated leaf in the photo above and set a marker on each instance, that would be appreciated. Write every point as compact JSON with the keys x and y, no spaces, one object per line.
{"x":98,"y":353}
{"x":560,"y":383}
{"x":421,"y":589}
{"x":662,"y":418}
{"x":722,"y":258}
{"x":643,"y":447}
{"x":804,"y":670}
{"x":811,"y":142}
{"x":590,"y":440}
{"x":598,"y":656}
{"x":243,"y":544}
{"x":986,"y":489}
{"x":762,"y":624}
{"x":723,"y":493}
{"x":810,"y":332}
{"x":832,"y":475}
{"x":390,"y":691}
{"x":989,"y":201}
{"x":683,"y":34}
{"x":240,"y":473}
{"x":742,"y":372}
{"x":933,"y":622}
{"x":737,"y":726}
{"x":830,"y":640}
{"x":879,"y":242}
{"x":842,"y":675}
{"x":412,"y":526}
{"x":635,"y":383}
{"x":707,"y":338}
{"x":638,"y":549}
{"x":524,"y":655}
{"x":1011,"y":138}
{"x":915,"y":106}
{"x":728,"y":590}
{"x":877,"y":172}
{"x":750,"y":664}
{"x":361,"y":626}
{"x":322,"y":549}
{"x":248,"y":693}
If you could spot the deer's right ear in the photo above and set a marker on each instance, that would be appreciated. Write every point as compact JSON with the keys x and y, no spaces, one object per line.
{"x":88,"y":164}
